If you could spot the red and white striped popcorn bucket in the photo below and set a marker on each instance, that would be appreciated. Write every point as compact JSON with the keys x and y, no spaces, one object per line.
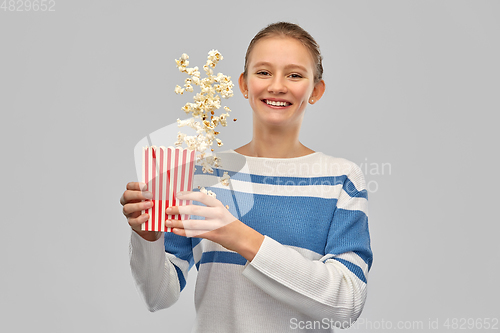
{"x":166,"y":171}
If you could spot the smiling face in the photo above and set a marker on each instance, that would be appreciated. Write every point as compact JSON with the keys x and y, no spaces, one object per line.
{"x":280,"y":81}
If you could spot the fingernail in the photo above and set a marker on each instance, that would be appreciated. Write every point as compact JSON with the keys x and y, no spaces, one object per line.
{"x":178,"y":194}
{"x":143,"y":186}
{"x":169,"y":210}
{"x":168,"y":222}
{"x":147,"y":195}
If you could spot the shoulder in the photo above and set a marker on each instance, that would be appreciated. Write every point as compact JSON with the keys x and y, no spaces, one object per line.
{"x":337,"y":166}
{"x":349,"y":171}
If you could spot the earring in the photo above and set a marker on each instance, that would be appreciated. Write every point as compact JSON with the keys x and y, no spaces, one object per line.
{"x":311,"y":101}
{"x":246,"y":95}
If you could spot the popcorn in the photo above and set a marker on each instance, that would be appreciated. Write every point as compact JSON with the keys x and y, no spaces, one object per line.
{"x":206,"y":102}
{"x":179,"y":90}
{"x":180,"y":139}
{"x":187,"y":85}
{"x":225,"y":179}
{"x":214,"y":56}
{"x":207,"y":192}
{"x":183,"y":62}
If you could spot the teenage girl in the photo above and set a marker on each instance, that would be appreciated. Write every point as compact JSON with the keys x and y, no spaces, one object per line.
{"x":297,"y":257}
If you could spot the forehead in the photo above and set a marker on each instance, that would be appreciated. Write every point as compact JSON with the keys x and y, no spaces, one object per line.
{"x":281,"y":51}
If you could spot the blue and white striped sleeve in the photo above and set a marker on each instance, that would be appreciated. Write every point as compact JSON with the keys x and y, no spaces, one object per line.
{"x":334,"y":286}
{"x":160,"y":268}
{"x":348,"y":246}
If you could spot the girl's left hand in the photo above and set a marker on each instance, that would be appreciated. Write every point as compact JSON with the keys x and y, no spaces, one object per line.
{"x":215,"y":214}
{"x":219,"y":225}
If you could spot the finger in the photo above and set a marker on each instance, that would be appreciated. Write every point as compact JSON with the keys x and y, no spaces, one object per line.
{"x":187,"y":233}
{"x":135,"y":196}
{"x":137,"y":186}
{"x":198,"y":196}
{"x":134,"y":209}
{"x":207,"y":212}
{"x":194,"y":225}
{"x":174,"y":210}
{"x":136,"y":222}
{"x":174,"y":224}
{"x":182,"y":228}
{"x":186,"y":224}
{"x":179,"y":231}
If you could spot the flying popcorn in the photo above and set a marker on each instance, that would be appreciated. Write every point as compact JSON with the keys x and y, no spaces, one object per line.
{"x":225,"y":179}
{"x":207,"y":192}
{"x":203,"y":119}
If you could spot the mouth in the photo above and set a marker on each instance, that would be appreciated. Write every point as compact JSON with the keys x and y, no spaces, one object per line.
{"x":276,"y":103}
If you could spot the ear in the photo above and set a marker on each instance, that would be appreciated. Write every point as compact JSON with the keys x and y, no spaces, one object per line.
{"x":318,"y":91}
{"x":243,"y":85}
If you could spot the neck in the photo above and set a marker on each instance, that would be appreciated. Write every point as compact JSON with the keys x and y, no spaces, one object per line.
{"x":275,"y":142}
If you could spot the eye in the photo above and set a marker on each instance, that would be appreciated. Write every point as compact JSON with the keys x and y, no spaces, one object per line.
{"x":263,"y":73}
{"x":295,"y":76}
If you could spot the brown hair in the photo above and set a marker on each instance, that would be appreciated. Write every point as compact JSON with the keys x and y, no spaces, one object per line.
{"x":286,"y":29}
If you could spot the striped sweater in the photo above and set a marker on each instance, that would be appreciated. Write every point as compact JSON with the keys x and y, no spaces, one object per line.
{"x":310,"y":272}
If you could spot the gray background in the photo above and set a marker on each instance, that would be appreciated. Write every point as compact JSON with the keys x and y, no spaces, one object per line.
{"x":413,"y":85}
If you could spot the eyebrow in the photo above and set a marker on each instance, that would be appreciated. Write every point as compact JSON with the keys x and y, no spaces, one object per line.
{"x":264,"y":63}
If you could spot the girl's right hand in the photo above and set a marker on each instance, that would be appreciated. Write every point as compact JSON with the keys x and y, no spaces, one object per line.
{"x":134,"y":200}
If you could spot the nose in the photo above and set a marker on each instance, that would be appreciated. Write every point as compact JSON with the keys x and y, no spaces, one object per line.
{"x":277,"y":85}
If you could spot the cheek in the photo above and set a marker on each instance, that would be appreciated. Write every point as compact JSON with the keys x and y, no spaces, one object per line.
{"x":254,"y":87}
{"x":303,"y":92}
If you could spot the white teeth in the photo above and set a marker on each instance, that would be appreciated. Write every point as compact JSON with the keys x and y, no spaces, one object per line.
{"x":276,"y":103}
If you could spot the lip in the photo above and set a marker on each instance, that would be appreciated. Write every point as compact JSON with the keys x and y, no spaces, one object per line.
{"x":276,"y":100}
